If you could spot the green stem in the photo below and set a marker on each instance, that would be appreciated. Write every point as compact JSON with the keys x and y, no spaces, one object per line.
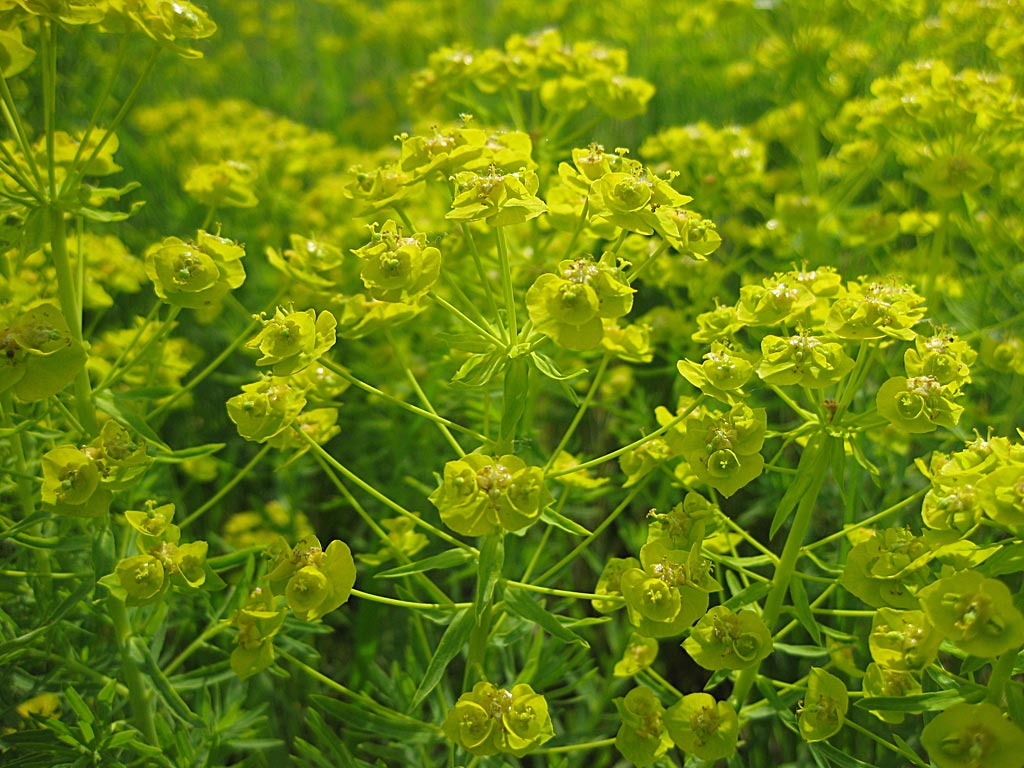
{"x":335,"y":368}
{"x":141,"y":711}
{"x":601,"y":744}
{"x":1002,"y":671}
{"x":381,"y":534}
{"x":564,"y":592}
{"x":73,"y":315}
{"x":17,"y":128}
{"x":869,"y":520}
{"x":214,"y":629}
{"x":579,"y":548}
{"x":626,"y":448}
{"x":816,"y":460}
{"x":411,"y":378}
{"x":467,"y":320}
{"x":162,"y":333}
{"x":485,"y":280}
{"x":587,"y":400}
{"x":225,"y":489}
{"x":506,"y":284}
{"x":415,"y":519}
{"x":409,"y":604}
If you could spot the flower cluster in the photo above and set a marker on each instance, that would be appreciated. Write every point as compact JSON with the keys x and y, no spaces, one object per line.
{"x":480,"y":494}
{"x":489,"y":720}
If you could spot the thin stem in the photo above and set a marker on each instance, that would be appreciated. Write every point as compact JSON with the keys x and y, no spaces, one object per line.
{"x":815,"y":461}
{"x":130,"y":346}
{"x":141,"y":712}
{"x":564,"y":592}
{"x":381,"y":534}
{"x":409,"y":604}
{"x":415,"y":519}
{"x":584,"y":405}
{"x":1002,"y":671}
{"x":73,"y":315}
{"x":485,"y":280}
{"x":868,"y":521}
{"x":506,"y":284}
{"x":17,"y":127}
{"x":214,"y":629}
{"x":601,"y":744}
{"x":596,"y":532}
{"x":76,"y":173}
{"x":115,"y":375}
{"x":335,"y":368}
{"x":464,"y":318}
{"x":626,"y":448}
{"x":411,"y":377}
{"x":225,"y":489}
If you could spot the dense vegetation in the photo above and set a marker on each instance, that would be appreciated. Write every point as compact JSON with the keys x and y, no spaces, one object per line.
{"x":446,"y":382}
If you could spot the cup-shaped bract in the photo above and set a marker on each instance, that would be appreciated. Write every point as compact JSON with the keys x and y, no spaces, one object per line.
{"x":38,"y":354}
{"x":976,"y":613}
{"x":880,"y":681}
{"x":918,"y":404}
{"x":315,"y":581}
{"x":292,"y":341}
{"x":265,"y":408}
{"x":722,"y":639}
{"x":479,"y":494}
{"x":903,"y":640}
{"x":642,"y":738}
{"x":703,"y":727}
{"x":489,"y":720}
{"x":195,"y":274}
{"x":71,"y":483}
{"x":973,"y":736}
{"x":824,"y":707}
{"x":258,"y":620}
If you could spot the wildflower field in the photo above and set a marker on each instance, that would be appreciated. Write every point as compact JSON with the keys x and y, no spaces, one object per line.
{"x":494,"y":383}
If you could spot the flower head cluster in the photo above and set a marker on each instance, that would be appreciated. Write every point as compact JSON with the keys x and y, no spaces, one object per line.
{"x":195,"y":274}
{"x":479,"y":494}
{"x":314,"y":581}
{"x":489,"y":720}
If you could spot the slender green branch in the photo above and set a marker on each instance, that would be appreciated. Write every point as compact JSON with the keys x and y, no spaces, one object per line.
{"x":601,"y":744}
{"x":141,"y":711}
{"x":13,"y":118}
{"x":212,"y":630}
{"x":579,"y":548}
{"x":584,"y":405}
{"x":116,"y":374}
{"x":71,"y":309}
{"x":411,"y":377}
{"x":225,"y":489}
{"x":626,"y":448}
{"x":415,"y":519}
{"x":349,"y":377}
{"x":381,"y":534}
{"x":485,"y":279}
{"x":464,"y":318}
{"x":564,"y":592}
{"x":1002,"y":671}
{"x":506,"y":284}
{"x":409,"y":604}
{"x":868,"y":521}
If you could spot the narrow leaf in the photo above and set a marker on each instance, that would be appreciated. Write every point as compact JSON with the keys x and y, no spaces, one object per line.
{"x":452,"y":641}
{"x":521,"y":604}
{"x":802,"y":608}
{"x":450,"y":559}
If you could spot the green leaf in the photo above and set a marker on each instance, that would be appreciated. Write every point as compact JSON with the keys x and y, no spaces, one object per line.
{"x":356,"y":717}
{"x":801,"y":651}
{"x":920,"y":702}
{"x":125,"y":412}
{"x":558,"y":520}
{"x":802,"y":608}
{"x":750,"y":594}
{"x":835,"y":757}
{"x":450,"y":559}
{"x":167,"y":456}
{"x":546,"y":366}
{"x":522,"y":604}
{"x":492,"y":557}
{"x":452,"y":641}
{"x":478,"y":370}
{"x":163,"y":686}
